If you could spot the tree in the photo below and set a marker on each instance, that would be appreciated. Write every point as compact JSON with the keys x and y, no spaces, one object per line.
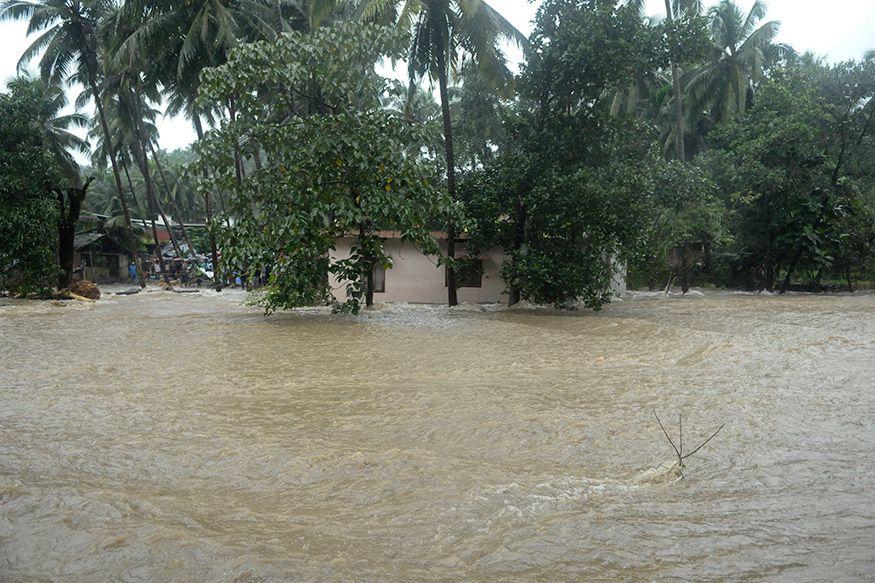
{"x":794,"y":169}
{"x":441,"y":28}
{"x":57,"y":137}
{"x":28,"y":172}
{"x":337,"y":163}
{"x":686,"y":218}
{"x":655,"y":94}
{"x":69,"y":206}
{"x":742,"y":50}
{"x":69,"y":44}
{"x":181,"y":39}
{"x":476,"y":107}
{"x":565,"y":193}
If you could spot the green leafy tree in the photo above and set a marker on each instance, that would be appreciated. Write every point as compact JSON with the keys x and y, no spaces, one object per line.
{"x":476,"y":107}
{"x":56,"y":127}
{"x":795,"y":169}
{"x":685,"y":220}
{"x":28,"y":213}
{"x":68,"y":41}
{"x":565,"y":193}
{"x":336,"y":163}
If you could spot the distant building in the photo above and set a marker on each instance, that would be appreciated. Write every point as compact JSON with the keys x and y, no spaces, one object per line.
{"x":98,"y":258}
{"x":416,"y":278}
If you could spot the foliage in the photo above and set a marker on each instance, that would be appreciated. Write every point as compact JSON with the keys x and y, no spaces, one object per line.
{"x":27,"y":207}
{"x":792,"y":169}
{"x":684,"y":211}
{"x":333,"y":162}
{"x":56,"y":127}
{"x":568,"y":176}
{"x":742,"y":50}
{"x":564,"y":195}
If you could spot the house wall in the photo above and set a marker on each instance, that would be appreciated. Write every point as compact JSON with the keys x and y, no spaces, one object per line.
{"x":415,"y":278}
{"x":100,"y":271}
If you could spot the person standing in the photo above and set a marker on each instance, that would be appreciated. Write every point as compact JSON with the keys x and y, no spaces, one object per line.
{"x":132,"y":271}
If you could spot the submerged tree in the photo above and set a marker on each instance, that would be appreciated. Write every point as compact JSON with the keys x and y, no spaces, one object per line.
{"x":28,"y":172}
{"x":565,"y":193}
{"x":336,"y":163}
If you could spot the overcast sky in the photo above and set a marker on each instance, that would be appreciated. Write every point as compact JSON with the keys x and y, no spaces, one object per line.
{"x":837,"y":30}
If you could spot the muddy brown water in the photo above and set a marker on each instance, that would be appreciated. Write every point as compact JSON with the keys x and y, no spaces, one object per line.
{"x":171,"y":437}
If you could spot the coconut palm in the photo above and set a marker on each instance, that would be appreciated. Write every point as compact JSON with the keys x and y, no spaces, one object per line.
{"x":742,"y":49}
{"x":68,"y":42}
{"x":442,"y":30}
{"x":181,"y":39}
{"x":673,"y":9}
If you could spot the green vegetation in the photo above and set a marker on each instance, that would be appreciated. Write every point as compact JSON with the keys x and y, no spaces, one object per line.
{"x":27,"y":207}
{"x":689,"y":147}
{"x":362,"y":168}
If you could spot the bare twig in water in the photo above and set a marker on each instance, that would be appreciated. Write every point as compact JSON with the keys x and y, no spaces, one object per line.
{"x":679,"y":450}
{"x":704,"y":442}
{"x":664,"y":432}
{"x":681,"y":434}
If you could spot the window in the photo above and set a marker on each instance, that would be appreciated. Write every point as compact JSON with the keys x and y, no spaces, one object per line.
{"x":469,"y":272}
{"x":379,"y":278}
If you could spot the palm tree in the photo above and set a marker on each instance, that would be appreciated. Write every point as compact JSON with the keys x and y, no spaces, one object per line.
{"x":441,"y":30}
{"x":181,"y":39}
{"x":742,"y":49}
{"x":674,"y":9}
{"x":68,"y":42}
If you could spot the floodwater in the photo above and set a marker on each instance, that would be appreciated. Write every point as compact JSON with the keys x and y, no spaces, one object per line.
{"x":180,"y":437}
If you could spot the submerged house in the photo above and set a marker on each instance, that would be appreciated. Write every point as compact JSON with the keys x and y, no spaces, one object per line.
{"x":416,"y":278}
{"x":99,"y":258}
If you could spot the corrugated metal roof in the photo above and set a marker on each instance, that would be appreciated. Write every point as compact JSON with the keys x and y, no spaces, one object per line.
{"x":84,"y":239}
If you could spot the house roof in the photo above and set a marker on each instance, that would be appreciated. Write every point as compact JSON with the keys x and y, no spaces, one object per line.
{"x":85,"y":239}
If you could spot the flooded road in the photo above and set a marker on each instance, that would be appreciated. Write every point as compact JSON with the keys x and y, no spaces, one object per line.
{"x":164,"y":436}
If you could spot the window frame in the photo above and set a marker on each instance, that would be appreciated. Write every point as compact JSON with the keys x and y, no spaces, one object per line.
{"x":478,"y":261}
{"x":374,"y":268}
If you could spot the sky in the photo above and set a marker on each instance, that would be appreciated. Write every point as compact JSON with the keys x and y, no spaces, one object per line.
{"x":843,"y":30}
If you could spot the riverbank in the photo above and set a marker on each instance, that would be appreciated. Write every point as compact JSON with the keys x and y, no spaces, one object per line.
{"x":186,"y":436}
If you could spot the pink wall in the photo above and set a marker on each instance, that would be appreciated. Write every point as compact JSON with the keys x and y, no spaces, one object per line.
{"x":416,"y":278}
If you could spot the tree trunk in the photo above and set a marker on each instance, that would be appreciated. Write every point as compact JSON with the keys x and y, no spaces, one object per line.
{"x":685,"y":271}
{"x":369,"y":270}
{"x":167,"y":190}
{"x":92,"y":81}
{"x":69,"y":208}
{"x":668,"y":283}
{"x":818,"y":278}
{"x":791,"y":268}
{"x":256,"y":158}
{"x":678,"y":96}
{"x":66,"y":236}
{"x":848,"y":276}
{"x":154,"y":205}
{"x":518,"y":241}
{"x":452,"y":294}
{"x":213,"y":250}
{"x":150,"y":199}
